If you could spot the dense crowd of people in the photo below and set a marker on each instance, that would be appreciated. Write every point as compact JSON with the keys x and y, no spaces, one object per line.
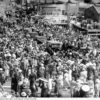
{"x":88,"y":24}
{"x":43,"y":60}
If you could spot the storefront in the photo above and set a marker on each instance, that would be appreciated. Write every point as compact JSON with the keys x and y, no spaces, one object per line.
{"x":54,"y":13}
{"x":58,"y":13}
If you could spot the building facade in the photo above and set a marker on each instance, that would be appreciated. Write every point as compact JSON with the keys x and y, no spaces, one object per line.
{"x":54,"y":13}
{"x":96,"y":1}
{"x":82,"y":7}
{"x":59,"y":12}
{"x":93,"y":13}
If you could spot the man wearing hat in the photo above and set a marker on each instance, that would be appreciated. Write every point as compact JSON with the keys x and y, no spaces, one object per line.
{"x":84,"y":91}
{"x":23,"y":94}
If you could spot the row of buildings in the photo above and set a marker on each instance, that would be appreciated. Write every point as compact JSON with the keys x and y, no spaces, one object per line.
{"x":59,"y":10}
{"x":93,"y":12}
{"x":65,"y":9}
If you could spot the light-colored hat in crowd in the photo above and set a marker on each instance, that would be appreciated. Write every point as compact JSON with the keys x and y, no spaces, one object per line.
{"x":70,"y":62}
{"x":20,"y":70}
{"x":42,"y":65}
{"x":23,"y":94}
{"x":9,"y":55}
{"x":13,"y":55}
{"x":25,"y":81}
{"x":1,"y":69}
{"x":89,"y":64}
{"x":81,"y":65}
{"x":97,"y":81}
{"x":20,"y":83}
{"x":85,"y":88}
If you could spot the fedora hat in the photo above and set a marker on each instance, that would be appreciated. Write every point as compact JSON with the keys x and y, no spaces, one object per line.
{"x":23,"y":94}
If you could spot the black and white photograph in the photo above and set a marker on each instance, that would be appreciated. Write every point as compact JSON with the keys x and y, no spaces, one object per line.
{"x":49,"y":49}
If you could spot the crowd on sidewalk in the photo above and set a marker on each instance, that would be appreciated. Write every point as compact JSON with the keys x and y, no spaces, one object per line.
{"x":44,"y":60}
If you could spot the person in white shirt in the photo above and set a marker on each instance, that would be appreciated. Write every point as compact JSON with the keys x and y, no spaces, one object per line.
{"x":97,"y":87}
{"x":60,"y":78}
{"x":50,"y":84}
{"x":67,"y":78}
{"x":83,"y":73}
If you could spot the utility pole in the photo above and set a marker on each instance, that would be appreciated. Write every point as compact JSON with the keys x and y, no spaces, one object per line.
{"x":26,"y":6}
{"x":38,"y":6}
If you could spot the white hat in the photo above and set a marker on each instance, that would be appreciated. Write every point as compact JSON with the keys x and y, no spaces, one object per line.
{"x":82,"y":65}
{"x":8,"y":96}
{"x":97,"y":81}
{"x":8,"y":54}
{"x":23,"y":94}
{"x":20,"y":83}
{"x":20,"y":70}
{"x":1,"y":69}
{"x":89,"y":64}
{"x":42,"y":65}
{"x":25,"y":81}
{"x":85,"y":88}
{"x":13,"y":55}
{"x":70,"y":62}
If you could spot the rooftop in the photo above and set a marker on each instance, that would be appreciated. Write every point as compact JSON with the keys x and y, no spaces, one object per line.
{"x":97,"y":9}
{"x":55,"y":1}
{"x":84,"y":5}
{"x":96,"y":1}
